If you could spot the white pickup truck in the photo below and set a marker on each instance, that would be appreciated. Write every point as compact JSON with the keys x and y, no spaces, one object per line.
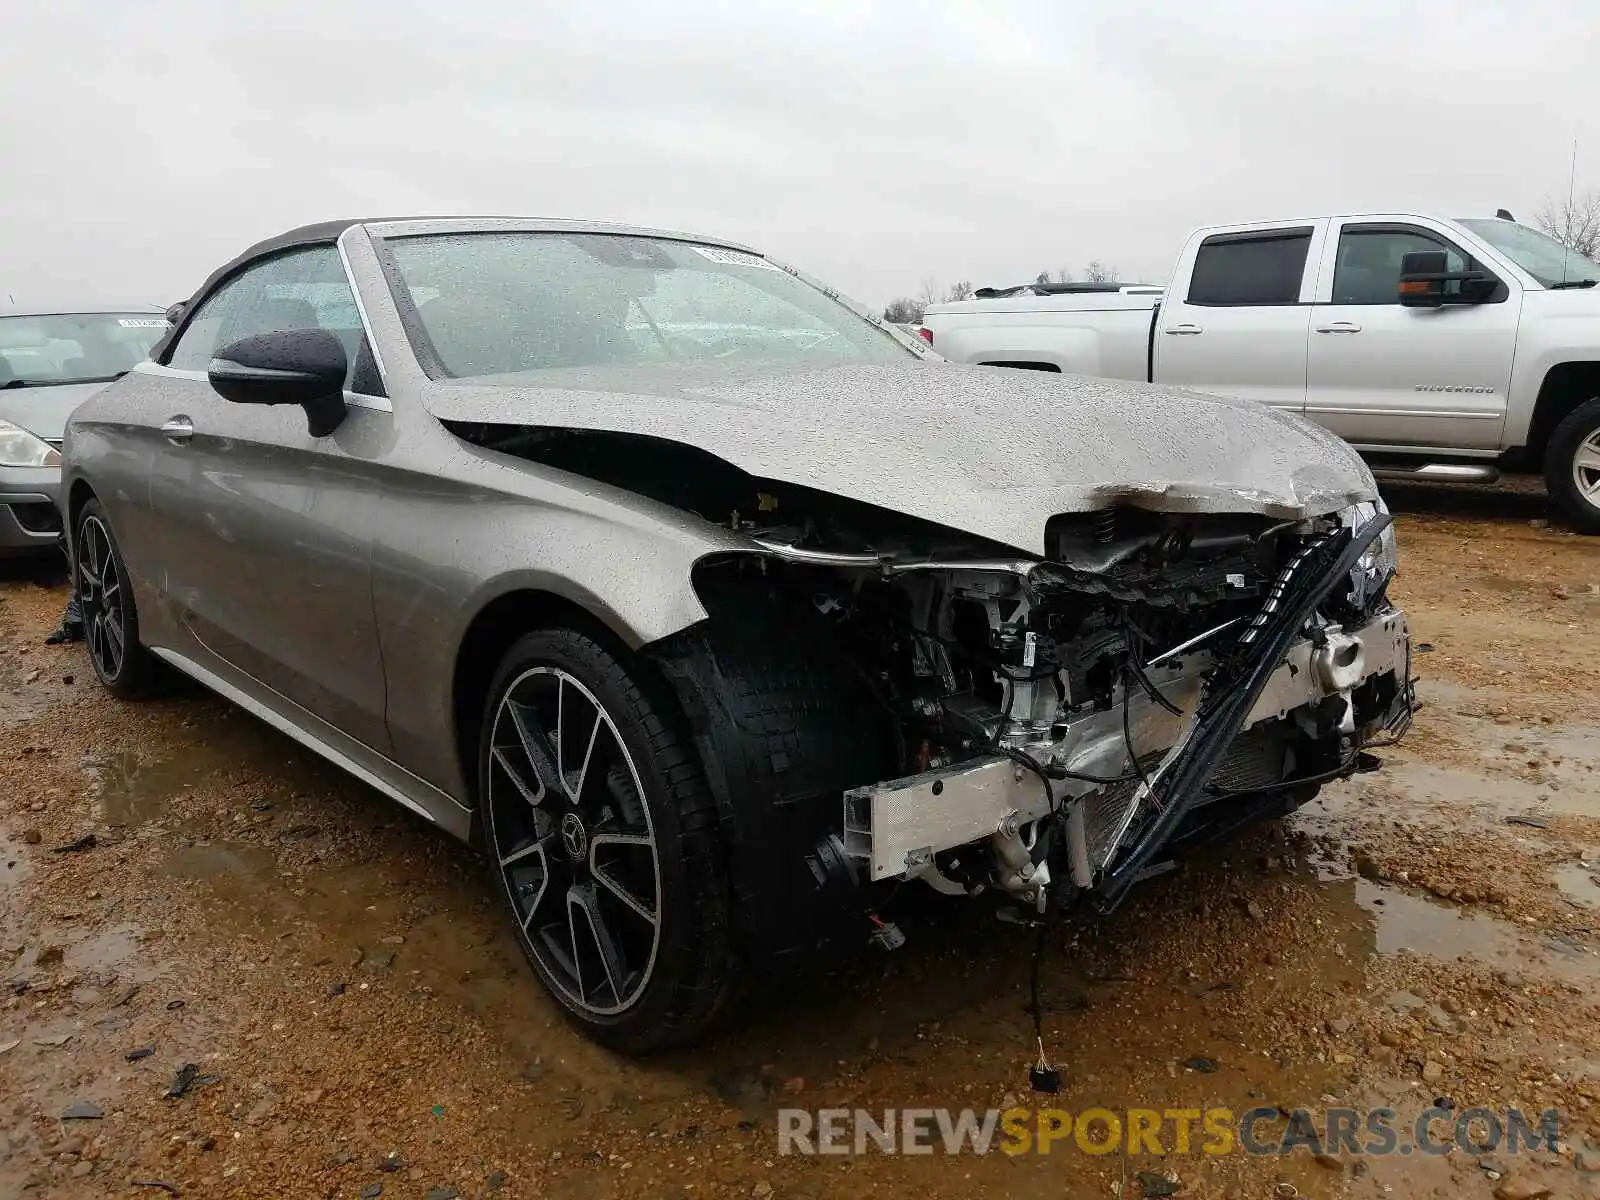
{"x":1440,"y":349}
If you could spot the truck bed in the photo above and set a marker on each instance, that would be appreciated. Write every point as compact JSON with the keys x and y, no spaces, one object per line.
{"x":1112,"y":339}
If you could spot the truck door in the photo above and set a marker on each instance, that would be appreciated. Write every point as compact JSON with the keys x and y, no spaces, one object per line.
{"x":1384,"y":375}
{"x":1240,"y":325}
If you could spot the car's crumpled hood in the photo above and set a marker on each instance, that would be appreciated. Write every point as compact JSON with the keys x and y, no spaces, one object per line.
{"x":989,"y":450}
{"x":43,"y":411}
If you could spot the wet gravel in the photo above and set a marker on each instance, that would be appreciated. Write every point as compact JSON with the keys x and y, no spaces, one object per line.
{"x":260,"y":979}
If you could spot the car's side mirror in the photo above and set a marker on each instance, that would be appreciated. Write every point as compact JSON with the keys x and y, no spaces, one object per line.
{"x":1424,"y":273}
{"x":297,"y":366}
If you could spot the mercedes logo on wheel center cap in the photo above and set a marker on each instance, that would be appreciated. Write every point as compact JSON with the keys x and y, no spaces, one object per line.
{"x":574,"y":837}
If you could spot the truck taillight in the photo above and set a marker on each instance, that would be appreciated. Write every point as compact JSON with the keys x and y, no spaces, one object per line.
{"x":926,"y":334}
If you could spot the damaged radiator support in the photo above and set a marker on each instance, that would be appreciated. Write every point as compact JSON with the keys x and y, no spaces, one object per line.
{"x":1091,"y":802}
{"x":1226,"y":705}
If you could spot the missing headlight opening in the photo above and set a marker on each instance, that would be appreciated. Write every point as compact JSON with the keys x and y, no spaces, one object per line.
{"x":1047,"y":729}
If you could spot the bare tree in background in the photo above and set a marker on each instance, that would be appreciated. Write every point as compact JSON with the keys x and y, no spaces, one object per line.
{"x":1064,"y":275}
{"x":959,"y":290}
{"x":1100,"y":272}
{"x":1574,"y":222}
{"x":904,"y":311}
{"x":1042,"y":277}
{"x":930,"y":293}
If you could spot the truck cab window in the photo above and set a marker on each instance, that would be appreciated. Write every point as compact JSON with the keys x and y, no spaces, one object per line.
{"x":1367,"y":270}
{"x":1247,"y":269}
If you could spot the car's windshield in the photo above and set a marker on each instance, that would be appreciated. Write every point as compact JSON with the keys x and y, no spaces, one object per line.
{"x":56,"y":348}
{"x":500,"y":303}
{"x":1539,"y":254}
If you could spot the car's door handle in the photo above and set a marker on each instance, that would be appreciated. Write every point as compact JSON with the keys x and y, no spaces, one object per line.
{"x":1339,"y":327}
{"x":1183,"y":329}
{"x":177,"y":429}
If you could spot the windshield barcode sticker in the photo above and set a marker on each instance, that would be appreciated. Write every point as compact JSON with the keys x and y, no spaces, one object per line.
{"x":732,"y":258}
{"x":142,"y":322}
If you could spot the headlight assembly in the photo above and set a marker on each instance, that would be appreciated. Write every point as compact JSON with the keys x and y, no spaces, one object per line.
{"x":1382,"y":559}
{"x":19,"y":448}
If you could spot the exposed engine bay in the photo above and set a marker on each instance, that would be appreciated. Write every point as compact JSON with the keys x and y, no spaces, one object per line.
{"x":1061,"y":726}
{"x":1066,"y":721}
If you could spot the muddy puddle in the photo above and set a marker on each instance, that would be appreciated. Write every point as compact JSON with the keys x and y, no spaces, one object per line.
{"x":1580,"y":883}
{"x":14,"y":863}
{"x":229,"y":752}
{"x":1457,"y":790}
{"x":1405,"y":919}
{"x":241,"y":868}
{"x":1412,"y":924}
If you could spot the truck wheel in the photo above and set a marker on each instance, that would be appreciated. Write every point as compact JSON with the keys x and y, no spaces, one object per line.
{"x":1572,"y":467}
{"x":603,"y":840}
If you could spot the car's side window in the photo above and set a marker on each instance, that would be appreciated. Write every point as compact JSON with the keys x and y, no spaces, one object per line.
{"x":299,"y":289}
{"x":1254,"y":268}
{"x":1367,"y":270}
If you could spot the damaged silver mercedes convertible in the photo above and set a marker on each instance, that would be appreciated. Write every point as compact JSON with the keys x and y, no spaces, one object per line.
{"x":714,"y":608}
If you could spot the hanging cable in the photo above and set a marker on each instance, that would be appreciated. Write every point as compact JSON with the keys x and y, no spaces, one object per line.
{"x":1042,"y":1077}
{"x":1127,"y":740}
{"x":1147,"y":685}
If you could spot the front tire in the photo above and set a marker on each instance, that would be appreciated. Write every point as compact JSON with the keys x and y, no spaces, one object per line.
{"x":602,"y":836}
{"x":105,"y":601}
{"x":1572,"y":467}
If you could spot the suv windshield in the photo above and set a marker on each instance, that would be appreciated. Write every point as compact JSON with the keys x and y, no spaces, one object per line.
{"x":1539,"y":254}
{"x":501,"y":303}
{"x":55,"y":348}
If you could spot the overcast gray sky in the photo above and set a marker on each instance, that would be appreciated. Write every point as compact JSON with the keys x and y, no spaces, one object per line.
{"x":872,"y":144}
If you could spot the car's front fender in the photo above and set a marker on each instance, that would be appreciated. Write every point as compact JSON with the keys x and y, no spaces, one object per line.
{"x":464,"y":553}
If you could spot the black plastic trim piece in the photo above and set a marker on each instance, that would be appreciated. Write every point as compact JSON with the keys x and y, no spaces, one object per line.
{"x":1222,"y":715}
{"x":1150,"y":345}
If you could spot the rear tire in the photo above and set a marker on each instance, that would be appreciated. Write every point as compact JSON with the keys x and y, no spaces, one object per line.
{"x":603,"y":839}
{"x":1572,"y":467}
{"x":110,"y":617}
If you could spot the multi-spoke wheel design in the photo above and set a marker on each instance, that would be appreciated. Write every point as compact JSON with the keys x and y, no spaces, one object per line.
{"x":100,"y":596}
{"x":105,"y":602}
{"x":1586,"y":469}
{"x":575,"y":841}
{"x":1572,"y":466}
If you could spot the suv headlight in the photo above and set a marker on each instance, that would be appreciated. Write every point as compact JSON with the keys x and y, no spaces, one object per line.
{"x":19,"y":448}
{"x":1381,"y":560}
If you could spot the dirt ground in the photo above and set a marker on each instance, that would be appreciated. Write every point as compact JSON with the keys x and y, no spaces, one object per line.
{"x":359,"y":1023}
